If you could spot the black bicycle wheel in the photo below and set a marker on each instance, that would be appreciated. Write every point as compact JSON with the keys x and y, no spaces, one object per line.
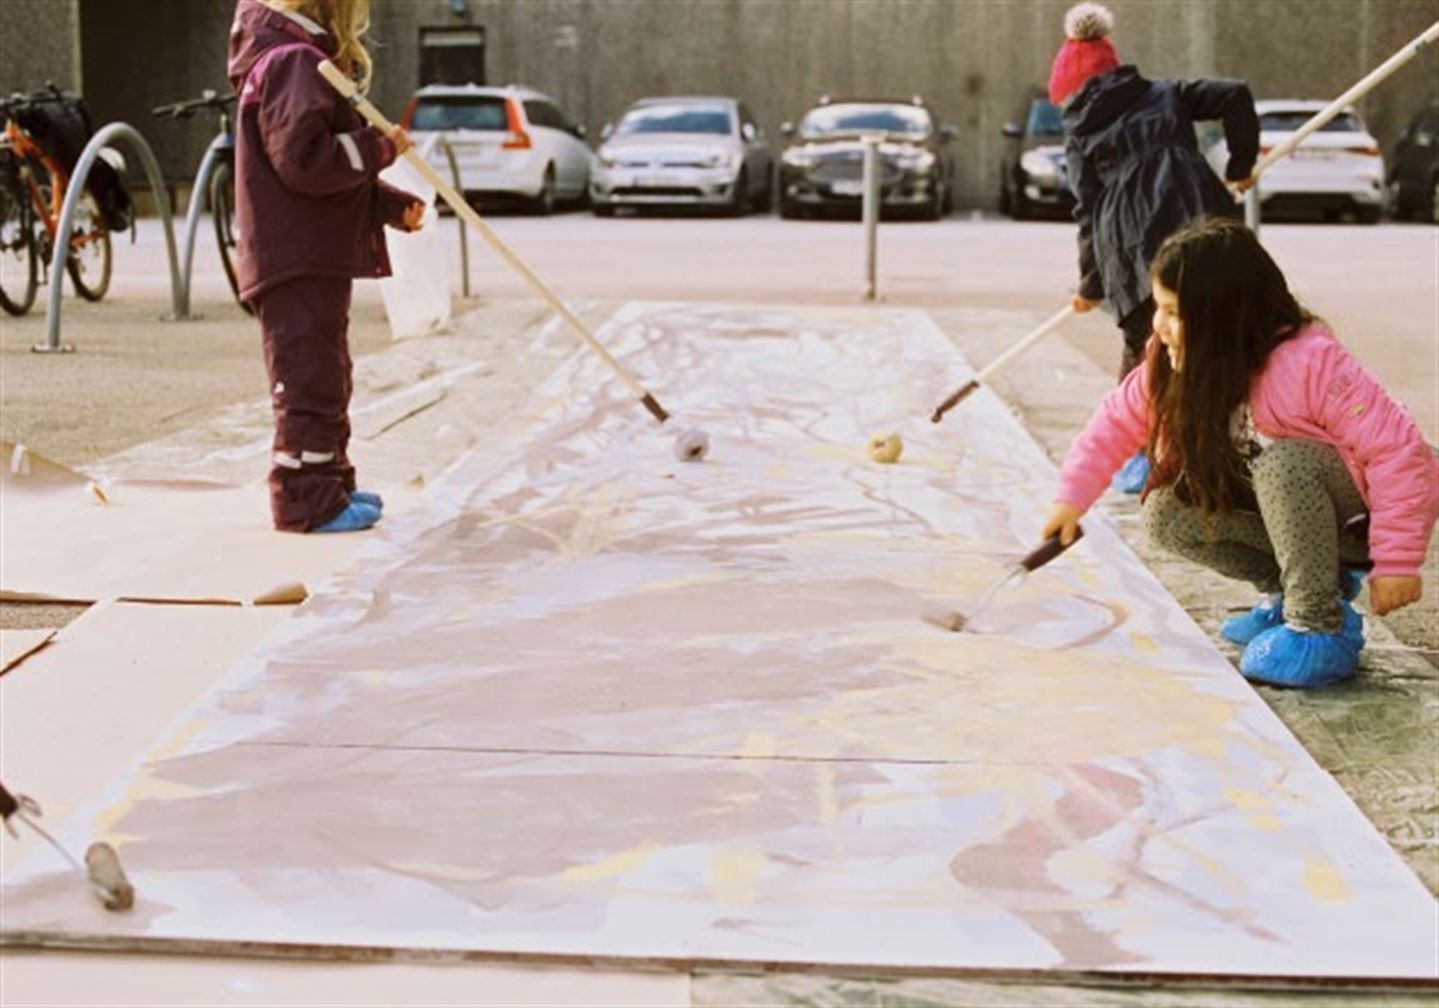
{"x":19,"y":274}
{"x":222,"y":209}
{"x":88,"y":261}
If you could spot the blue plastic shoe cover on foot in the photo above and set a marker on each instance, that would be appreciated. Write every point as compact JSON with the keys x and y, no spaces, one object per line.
{"x":368,"y":498}
{"x":355,"y":517}
{"x":1132,"y":475}
{"x":1284,"y":656}
{"x":1269,"y":613}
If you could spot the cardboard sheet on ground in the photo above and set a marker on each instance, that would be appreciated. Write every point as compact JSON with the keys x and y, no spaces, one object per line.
{"x":67,"y":538}
{"x":617,"y":706}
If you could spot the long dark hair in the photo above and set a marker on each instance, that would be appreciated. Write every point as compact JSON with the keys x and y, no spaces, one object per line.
{"x":1236,"y":307}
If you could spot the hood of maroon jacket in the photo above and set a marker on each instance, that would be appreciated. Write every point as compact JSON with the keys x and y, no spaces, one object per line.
{"x":307,"y":200}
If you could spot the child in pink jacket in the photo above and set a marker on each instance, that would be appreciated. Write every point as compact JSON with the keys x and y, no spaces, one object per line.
{"x":1278,"y":459}
{"x":310,"y":214}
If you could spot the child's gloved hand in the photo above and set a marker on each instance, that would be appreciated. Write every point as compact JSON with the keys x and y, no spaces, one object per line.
{"x":414,"y":216}
{"x":1063,"y":521}
{"x":1389,"y":593}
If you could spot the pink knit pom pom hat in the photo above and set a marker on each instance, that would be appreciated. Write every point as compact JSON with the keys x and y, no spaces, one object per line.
{"x":1086,"y":52}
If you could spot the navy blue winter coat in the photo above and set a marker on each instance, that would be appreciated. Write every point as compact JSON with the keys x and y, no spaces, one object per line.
{"x":1138,"y":174}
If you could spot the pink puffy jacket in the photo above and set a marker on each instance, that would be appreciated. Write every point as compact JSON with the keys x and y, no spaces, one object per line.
{"x":1310,"y":388}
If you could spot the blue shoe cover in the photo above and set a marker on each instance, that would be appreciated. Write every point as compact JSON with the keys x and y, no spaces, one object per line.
{"x":355,"y":517}
{"x":1268,"y":614}
{"x":1132,"y":475}
{"x":1284,"y":656}
{"x":1353,"y":629}
{"x":369,"y":498}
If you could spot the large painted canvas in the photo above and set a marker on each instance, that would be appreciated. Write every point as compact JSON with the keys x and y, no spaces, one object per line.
{"x":601,"y":704}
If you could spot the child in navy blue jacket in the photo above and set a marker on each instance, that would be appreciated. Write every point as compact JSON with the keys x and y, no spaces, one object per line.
{"x":1137,"y":172}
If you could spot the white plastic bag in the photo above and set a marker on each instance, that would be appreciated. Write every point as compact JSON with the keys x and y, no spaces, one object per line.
{"x":417,"y":293}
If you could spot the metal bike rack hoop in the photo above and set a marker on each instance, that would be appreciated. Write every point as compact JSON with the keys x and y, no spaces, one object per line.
{"x":199,"y":196}
{"x":74,"y":187}
{"x":441,"y":141}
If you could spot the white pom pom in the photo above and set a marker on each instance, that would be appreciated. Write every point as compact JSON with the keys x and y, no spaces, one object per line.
{"x":1087,"y":21}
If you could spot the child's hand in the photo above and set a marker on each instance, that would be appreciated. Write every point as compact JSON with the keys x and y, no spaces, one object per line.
{"x":414,"y":216}
{"x":1389,"y":593}
{"x":1242,"y":185}
{"x":400,"y":139}
{"x":1063,"y":521}
{"x":1082,"y":304}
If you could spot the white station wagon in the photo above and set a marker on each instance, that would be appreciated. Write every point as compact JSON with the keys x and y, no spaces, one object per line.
{"x":1337,"y":171}
{"x":508,"y":142}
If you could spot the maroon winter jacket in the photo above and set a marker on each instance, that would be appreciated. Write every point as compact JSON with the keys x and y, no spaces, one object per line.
{"x":307,"y":200}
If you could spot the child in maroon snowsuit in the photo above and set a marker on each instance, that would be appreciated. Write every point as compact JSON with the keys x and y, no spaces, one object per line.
{"x":309,"y":212}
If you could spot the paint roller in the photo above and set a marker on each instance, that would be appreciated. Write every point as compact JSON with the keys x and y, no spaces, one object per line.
{"x":102,"y":869}
{"x":955,"y":620}
{"x":691,"y":445}
{"x":1315,"y":122}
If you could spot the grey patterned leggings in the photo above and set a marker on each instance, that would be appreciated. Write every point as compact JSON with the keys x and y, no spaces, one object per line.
{"x":1295,"y":543}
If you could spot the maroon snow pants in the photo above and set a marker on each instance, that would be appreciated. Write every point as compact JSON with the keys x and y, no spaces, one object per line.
{"x":305,"y":323}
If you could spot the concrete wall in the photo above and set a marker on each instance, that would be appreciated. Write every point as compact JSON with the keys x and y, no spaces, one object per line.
{"x":970,"y":59}
{"x":39,"y":42}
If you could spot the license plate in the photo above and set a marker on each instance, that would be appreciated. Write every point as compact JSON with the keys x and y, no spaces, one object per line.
{"x":652,"y":181}
{"x":848,"y":187}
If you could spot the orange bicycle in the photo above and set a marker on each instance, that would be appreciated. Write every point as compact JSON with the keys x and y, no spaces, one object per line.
{"x":33,"y":181}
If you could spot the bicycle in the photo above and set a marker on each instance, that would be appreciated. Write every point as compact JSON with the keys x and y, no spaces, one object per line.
{"x":32,"y":191}
{"x":220,"y":188}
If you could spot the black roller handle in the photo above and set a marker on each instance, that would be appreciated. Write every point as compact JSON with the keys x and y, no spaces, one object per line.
{"x":1048,"y":550}
{"x":9,"y":804}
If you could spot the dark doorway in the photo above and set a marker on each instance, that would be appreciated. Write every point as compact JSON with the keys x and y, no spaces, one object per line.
{"x":452,"y":55}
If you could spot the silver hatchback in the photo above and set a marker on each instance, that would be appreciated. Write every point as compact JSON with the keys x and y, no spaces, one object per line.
{"x":693,"y":151}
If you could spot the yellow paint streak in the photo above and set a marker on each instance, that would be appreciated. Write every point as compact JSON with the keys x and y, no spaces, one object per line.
{"x":1259,"y":808}
{"x":735,"y":872}
{"x":1144,"y":643}
{"x":1324,"y":882}
{"x":759,"y":745}
{"x":610,"y":867}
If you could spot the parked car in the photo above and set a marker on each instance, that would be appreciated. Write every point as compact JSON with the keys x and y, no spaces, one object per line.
{"x":1414,"y":180}
{"x":822,"y":168}
{"x":1034,"y":176}
{"x":1337,"y":171}
{"x":683,"y":151}
{"x":509,"y":142}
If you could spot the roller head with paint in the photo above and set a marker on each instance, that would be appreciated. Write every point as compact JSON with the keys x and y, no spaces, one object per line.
{"x":886,"y":447}
{"x":692,"y":445}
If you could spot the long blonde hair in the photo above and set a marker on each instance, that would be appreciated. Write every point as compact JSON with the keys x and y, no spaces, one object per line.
{"x":347,"y":21}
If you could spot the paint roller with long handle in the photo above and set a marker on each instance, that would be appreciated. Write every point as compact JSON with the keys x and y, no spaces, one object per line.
{"x":954,"y":620}
{"x":692,"y":444}
{"x":1315,"y":122}
{"x":1050,"y":324}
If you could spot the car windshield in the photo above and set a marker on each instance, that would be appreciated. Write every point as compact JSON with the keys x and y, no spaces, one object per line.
{"x":1044,"y":119}
{"x":905,"y":120}
{"x":675,"y":119}
{"x":454,"y":112}
{"x":1288,"y":122}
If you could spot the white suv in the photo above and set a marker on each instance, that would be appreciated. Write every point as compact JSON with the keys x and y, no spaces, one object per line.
{"x":508,"y":141}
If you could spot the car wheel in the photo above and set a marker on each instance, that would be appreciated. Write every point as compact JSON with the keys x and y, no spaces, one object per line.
{"x":602,"y":209}
{"x":544,"y":203}
{"x":1019,"y":206}
{"x":788,"y":210}
{"x":1369,"y":214}
{"x":934,"y":209}
{"x":740,"y":203}
{"x":765,"y":203}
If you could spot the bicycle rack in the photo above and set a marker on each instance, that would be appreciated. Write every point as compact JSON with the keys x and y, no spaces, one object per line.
{"x":75,"y":186}
{"x":439,"y":140}
{"x":199,"y":194}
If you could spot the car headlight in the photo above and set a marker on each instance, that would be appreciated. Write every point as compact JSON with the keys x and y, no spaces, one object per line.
{"x":1038,"y":164}
{"x":797,"y":158}
{"x":916,"y":161}
{"x":606,"y":161}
